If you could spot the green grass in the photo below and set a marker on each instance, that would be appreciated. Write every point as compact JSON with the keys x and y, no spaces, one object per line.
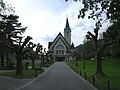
{"x":3,"y":67}
{"x":29,"y":73}
{"x":26,"y":74}
{"x":111,"y":68}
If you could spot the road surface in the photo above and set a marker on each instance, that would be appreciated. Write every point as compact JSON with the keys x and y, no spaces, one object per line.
{"x":58,"y":77}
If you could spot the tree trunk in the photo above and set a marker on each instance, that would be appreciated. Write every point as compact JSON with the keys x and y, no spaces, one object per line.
{"x":2,"y":58}
{"x":98,"y":57}
{"x":8,"y":60}
{"x":99,"y":70}
{"x":33,"y":63}
{"x":19,"y":65}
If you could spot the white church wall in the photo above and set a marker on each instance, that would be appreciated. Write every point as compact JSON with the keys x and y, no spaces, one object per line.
{"x":60,"y":43}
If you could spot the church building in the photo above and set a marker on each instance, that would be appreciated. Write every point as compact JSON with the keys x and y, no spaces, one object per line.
{"x":61,"y":47}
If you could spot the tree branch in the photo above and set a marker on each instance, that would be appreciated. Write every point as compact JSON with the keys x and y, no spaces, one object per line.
{"x":29,"y":49}
{"x":25,"y":42}
{"x":93,"y":36}
{"x":7,"y":46}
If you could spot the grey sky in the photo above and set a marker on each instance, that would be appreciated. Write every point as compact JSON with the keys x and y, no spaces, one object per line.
{"x":46,"y":18}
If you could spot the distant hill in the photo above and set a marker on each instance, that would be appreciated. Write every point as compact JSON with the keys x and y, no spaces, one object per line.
{"x":77,"y":48}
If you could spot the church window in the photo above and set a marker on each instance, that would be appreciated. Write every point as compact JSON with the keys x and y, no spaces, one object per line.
{"x":56,"y":51}
{"x":59,"y":47}
{"x":60,"y":50}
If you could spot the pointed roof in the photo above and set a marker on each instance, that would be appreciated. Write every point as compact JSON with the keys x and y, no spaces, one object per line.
{"x":59,"y":37}
{"x":67,"y":23}
{"x":72,"y":46}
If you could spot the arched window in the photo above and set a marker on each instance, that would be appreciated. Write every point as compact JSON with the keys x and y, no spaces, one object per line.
{"x":59,"y":47}
{"x":60,"y":50}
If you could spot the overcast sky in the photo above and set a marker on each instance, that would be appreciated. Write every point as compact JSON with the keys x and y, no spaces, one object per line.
{"x":46,"y":18}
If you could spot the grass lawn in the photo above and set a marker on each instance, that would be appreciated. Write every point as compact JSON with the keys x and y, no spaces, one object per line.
{"x":29,"y":73}
{"x":26,"y":74}
{"x":111,"y":68}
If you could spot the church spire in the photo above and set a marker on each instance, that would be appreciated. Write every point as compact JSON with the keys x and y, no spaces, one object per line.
{"x":67,"y":23}
{"x":67,"y":32}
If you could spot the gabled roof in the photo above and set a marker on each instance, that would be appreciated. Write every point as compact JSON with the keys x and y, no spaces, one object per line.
{"x":59,"y":36}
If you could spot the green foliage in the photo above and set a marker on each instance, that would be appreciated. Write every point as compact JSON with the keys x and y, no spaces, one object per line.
{"x":113,"y":50}
{"x":10,"y":28}
{"x":113,"y":32}
{"x":87,"y":50}
{"x":111,"y":8}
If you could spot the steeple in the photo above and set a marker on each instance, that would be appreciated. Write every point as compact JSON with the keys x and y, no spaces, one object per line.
{"x":67,"y":23}
{"x":67,"y":32}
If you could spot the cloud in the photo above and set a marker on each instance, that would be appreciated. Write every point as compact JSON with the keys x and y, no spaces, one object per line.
{"x":47,"y":38}
{"x":46,"y":18}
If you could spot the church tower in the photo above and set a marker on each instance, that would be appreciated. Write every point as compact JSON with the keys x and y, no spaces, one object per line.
{"x":67,"y":32}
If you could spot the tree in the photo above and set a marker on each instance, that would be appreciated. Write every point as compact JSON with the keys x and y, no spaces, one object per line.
{"x":87,"y":50}
{"x":13,"y":29}
{"x":112,"y":35}
{"x":2,"y":55}
{"x":115,"y":50}
{"x":33,"y":54}
{"x":5,"y":10}
{"x":2,"y":49}
{"x":111,"y":9}
{"x":10,"y":28}
{"x":20,"y":52}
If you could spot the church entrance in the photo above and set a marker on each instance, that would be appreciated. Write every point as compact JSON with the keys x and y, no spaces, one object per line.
{"x":60,"y":59}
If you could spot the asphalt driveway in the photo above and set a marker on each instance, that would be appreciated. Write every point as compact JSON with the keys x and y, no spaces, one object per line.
{"x":11,"y":83}
{"x":58,"y":77}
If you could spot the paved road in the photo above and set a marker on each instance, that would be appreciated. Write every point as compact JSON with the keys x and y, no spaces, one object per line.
{"x":58,"y":77}
{"x":11,"y":83}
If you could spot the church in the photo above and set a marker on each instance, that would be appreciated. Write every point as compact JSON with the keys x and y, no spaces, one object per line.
{"x":61,"y":47}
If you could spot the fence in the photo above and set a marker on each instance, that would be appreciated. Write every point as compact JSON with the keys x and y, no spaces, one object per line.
{"x":94,"y":80}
